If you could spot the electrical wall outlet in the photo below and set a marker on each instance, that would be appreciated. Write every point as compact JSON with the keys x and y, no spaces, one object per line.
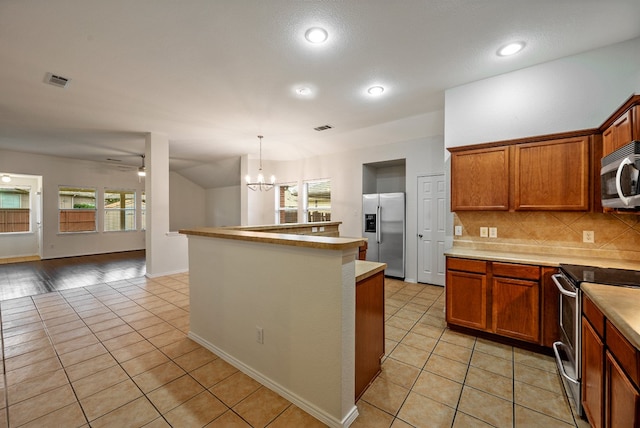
{"x":484,"y":232}
{"x":259,"y":335}
{"x":457,"y":230}
{"x":493,"y":232}
{"x":588,"y":236}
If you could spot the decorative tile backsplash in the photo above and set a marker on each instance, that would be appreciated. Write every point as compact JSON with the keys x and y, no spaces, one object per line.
{"x":615,"y":235}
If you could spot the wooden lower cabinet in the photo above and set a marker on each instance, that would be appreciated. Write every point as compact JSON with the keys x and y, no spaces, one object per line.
{"x":592,"y":374}
{"x":516,"y":308}
{"x":369,"y":330}
{"x":466,"y":299}
{"x":622,"y":398}
{"x":610,"y":372}
{"x":500,"y":298}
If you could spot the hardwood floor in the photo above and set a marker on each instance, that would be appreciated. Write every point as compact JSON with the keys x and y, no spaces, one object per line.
{"x":37,"y":277}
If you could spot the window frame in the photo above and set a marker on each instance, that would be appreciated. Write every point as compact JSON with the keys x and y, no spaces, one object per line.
{"x":280,"y":209}
{"x":62,"y":211}
{"x":21,"y":199}
{"x":305,"y":200}
{"x":123,"y":211}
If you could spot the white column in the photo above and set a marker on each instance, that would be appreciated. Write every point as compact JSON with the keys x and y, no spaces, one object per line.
{"x":166,"y":252}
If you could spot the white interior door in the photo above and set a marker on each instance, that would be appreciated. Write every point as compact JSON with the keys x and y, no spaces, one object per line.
{"x":431,"y":229}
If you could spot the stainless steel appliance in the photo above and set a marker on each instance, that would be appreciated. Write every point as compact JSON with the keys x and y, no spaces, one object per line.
{"x":619,"y":177}
{"x":568,"y":349}
{"x":384,"y":228}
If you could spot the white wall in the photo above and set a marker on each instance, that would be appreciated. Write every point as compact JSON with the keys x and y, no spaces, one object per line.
{"x":56,"y":171}
{"x":572,"y":93}
{"x":302,"y":298}
{"x":186,"y":203}
{"x":423,"y":156}
{"x":222,"y":206}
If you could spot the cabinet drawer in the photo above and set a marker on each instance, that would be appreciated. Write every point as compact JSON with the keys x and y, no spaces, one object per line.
{"x":512,"y":270}
{"x":624,"y":352}
{"x":466,"y":265}
{"x":593,"y":314}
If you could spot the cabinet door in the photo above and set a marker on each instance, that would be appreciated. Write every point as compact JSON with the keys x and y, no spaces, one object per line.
{"x":466,"y":296}
{"x":480,"y":179}
{"x":622,"y":402}
{"x":552,"y":175}
{"x":369,"y":330}
{"x":516,"y":308}
{"x":592,"y":374}
{"x":619,"y":133}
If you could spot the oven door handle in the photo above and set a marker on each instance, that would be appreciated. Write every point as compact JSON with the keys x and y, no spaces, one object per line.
{"x":563,"y":290}
{"x":560,"y":365}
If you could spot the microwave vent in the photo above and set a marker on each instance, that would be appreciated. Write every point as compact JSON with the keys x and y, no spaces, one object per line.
{"x":633,"y":148}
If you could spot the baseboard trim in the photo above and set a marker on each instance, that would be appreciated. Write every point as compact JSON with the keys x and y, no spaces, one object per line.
{"x":157,"y":275}
{"x":308,"y":407}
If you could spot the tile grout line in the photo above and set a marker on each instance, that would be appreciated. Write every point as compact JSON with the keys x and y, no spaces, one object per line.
{"x":205,"y":389}
{"x":49,"y":337}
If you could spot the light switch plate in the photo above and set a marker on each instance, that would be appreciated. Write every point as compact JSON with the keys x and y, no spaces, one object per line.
{"x":484,"y":232}
{"x":493,"y":232}
{"x":457,"y":230}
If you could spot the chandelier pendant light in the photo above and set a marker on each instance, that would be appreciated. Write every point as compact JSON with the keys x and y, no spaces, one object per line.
{"x":260,"y":184}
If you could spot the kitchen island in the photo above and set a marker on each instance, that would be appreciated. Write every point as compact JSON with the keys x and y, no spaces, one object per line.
{"x":282,"y":309}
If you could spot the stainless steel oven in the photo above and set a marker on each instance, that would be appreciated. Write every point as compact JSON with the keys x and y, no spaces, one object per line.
{"x":569,"y":348}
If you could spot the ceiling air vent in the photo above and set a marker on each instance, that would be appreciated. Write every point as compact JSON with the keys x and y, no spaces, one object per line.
{"x":323,"y":127}
{"x":55,"y":80}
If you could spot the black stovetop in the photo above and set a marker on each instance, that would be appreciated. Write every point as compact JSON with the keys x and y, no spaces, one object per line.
{"x":617,"y":277}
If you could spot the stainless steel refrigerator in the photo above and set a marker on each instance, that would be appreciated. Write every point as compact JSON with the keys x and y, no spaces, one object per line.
{"x":384,"y":229}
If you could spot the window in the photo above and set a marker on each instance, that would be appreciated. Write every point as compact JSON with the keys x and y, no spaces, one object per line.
{"x":287,"y":204}
{"x":317,"y":206}
{"x":77,"y":209}
{"x":119,"y":210}
{"x":15,"y":212}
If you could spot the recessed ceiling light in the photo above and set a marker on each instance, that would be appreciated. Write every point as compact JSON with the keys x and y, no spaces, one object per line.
{"x":375,"y":90}
{"x":303,"y":91}
{"x":511,"y":48}
{"x":316,"y":35}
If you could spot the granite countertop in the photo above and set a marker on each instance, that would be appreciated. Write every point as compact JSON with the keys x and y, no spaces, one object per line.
{"x":551,"y":260}
{"x":309,"y":241}
{"x":620,"y":305}
{"x":365,"y":269}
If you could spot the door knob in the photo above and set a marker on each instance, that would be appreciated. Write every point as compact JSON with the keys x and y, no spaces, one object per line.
{"x":419,"y":236}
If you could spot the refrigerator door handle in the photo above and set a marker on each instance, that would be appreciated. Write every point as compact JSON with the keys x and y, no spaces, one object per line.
{"x":378,"y":231}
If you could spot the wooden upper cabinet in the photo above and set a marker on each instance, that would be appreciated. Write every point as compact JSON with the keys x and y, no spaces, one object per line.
{"x":619,"y":133}
{"x":480,"y":179}
{"x":552,"y":175}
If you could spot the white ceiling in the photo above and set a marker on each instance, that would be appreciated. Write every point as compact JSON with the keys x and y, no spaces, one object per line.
{"x":213,"y":74}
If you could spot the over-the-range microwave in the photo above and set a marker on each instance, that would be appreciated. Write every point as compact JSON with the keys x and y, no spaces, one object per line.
{"x":619,"y":177}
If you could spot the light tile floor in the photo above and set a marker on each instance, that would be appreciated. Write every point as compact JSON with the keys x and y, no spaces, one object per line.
{"x":117,"y":355}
